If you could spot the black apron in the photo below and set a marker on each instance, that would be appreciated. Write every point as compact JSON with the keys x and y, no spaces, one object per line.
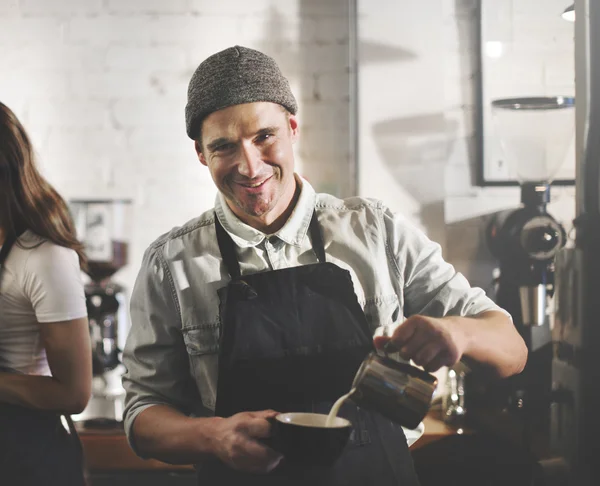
{"x":292,"y":340}
{"x":35,"y":447}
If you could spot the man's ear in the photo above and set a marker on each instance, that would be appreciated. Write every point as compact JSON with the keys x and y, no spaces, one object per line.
{"x":198,"y":147}
{"x":294,"y":127}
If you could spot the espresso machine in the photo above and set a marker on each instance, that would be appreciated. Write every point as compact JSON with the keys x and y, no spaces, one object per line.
{"x":102,"y":226}
{"x":535,"y":133}
{"x":575,"y":406}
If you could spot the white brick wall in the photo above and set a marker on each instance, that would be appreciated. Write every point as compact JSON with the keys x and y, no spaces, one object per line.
{"x":101,"y":86}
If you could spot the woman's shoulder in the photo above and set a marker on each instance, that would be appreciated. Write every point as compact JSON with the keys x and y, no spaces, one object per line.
{"x":42,"y":252}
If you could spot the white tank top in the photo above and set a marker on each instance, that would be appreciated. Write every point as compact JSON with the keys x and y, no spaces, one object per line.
{"x":41,"y":283}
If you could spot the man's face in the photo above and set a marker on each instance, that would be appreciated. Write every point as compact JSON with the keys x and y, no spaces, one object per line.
{"x":248,"y":151}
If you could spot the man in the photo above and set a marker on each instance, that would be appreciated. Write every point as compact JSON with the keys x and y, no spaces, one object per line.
{"x":269,"y":302}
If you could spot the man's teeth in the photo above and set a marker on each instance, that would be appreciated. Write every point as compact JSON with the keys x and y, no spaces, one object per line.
{"x":255,"y":185}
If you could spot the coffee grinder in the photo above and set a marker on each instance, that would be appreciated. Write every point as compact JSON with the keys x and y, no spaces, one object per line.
{"x":535,"y":133}
{"x":103,"y":226}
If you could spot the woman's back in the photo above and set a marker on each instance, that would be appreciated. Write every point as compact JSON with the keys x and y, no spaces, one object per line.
{"x":41,"y":282}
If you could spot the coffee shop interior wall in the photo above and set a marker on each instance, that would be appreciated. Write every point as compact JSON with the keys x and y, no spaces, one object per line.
{"x":101,"y":87}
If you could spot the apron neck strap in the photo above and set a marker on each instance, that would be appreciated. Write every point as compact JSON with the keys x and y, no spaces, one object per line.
{"x":317,"y":238}
{"x":227,"y":246}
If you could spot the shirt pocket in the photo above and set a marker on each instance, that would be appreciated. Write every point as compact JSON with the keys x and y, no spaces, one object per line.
{"x":202,"y":345}
{"x":383,"y":311}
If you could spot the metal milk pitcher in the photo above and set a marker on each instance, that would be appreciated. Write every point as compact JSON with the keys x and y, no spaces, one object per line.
{"x":399,"y":391}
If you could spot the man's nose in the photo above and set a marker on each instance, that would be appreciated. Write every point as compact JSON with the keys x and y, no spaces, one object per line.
{"x":250,"y":161}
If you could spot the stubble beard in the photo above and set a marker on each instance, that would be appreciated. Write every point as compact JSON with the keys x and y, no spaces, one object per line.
{"x":260,"y":204}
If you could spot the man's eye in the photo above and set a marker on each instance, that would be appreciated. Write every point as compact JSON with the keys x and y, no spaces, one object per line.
{"x":264,"y":136}
{"x":224,"y":148}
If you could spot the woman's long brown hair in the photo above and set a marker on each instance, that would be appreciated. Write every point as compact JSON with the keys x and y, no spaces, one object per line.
{"x":27,"y":200}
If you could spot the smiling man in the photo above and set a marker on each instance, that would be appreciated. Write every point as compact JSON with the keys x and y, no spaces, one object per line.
{"x":270,"y":301}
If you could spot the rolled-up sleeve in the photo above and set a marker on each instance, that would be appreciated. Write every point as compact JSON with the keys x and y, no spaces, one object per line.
{"x":431,"y":285}
{"x":155,"y":357}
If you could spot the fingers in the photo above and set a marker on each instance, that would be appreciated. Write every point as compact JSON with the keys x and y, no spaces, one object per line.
{"x":431,"y":357}
{"x":380,"y":341}
{"x":256,"y":458}
{"x":402,"y":334}
{"x":425,"y":340}
{"x":437,"y":362}
{"x":258,"y":428}
{"x":256,"y":424}
{"x":263,"y":414}
{"x":241,"y":447}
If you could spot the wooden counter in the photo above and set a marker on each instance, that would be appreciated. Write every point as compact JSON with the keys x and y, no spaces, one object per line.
{"x":108,"y":449}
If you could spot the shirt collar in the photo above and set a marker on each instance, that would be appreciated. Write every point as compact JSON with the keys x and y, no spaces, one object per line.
{"x":293,"y":231}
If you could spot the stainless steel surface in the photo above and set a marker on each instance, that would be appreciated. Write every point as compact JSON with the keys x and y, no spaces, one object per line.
{"x":533,"y":304}
{"x":399,"y":391}
{"x":454,"y":408}
{"x":535,"y":103}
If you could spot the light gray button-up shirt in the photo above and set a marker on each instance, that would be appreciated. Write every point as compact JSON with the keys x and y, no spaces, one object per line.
{"x":172,"y":347}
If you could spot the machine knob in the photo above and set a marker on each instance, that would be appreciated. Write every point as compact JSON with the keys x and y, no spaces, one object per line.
{"x":542,"y":237}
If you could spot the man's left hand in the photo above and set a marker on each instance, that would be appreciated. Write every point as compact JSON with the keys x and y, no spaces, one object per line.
{"x":430,"y":342}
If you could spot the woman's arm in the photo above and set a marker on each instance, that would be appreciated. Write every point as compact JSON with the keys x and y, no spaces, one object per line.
{"x":69,"y":355}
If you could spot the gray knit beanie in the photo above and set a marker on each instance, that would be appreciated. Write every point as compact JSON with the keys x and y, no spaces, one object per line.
{"x":231,"y":77}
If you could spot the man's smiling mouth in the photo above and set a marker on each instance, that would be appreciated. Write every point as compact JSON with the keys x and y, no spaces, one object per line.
{"x":254,"y":185}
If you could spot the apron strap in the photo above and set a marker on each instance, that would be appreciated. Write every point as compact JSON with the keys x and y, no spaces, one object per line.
{"x":227,"y":246}
{"x":317,"y":238}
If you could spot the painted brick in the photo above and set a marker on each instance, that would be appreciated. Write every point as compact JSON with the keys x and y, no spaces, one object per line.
{"x":333,"y":86}
{"x":318,"y":7}
{"x":30,"y":31}
{"x":161,"y":112}
{"x":104,"y":29}
{"x":277,"y":28}
{"x":37,"y":83}
{"x":193,"y":29}
{"x":9,"y":7}
{"x":332,"y":30}
{"x":70,"y":7}
{"x":107,"y":85}
{"x":157,"y":142}
{"x":50,"y":112}
{"x":80,"y":140}
{"x":232,"y":8}
{"x":147,"y":6}
{"x":63,"y":58}
{"x":324,"y":115}
{"x":150,"y":58}
{"x":326,"y":58}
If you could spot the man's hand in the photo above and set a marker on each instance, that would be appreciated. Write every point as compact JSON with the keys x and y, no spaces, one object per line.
{"x":430,"y":342}
{"x":238,"y":442}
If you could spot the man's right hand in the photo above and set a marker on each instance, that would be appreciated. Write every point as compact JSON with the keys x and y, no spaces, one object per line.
{"x":238,"y":442}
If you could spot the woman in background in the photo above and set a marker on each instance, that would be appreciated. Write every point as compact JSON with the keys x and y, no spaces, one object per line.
{"x":45,"y":355}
